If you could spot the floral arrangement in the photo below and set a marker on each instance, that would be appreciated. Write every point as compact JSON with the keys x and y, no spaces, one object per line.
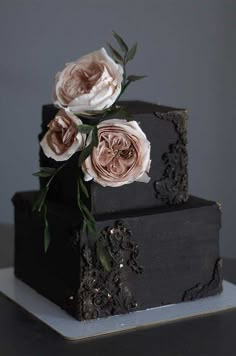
{"x":113,"y":152}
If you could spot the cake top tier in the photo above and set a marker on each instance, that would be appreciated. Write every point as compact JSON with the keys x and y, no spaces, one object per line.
{"x":165,"y":128}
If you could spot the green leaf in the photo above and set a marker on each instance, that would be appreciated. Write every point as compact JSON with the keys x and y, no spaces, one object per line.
{"x":86,"y":129}
{"x":85,"y":153}
{"x":40,"y":200}
{"x":42,"y":174}
{"x":88,"y":221}
{"x":124,"y":112}
{"x":131,"y":53}
{"x":121,"y":42}
{"x":45,"y":172}
{"x":48,"y":169}
{"x":95,"y":136}
{"x":88,"y":214}
{"x":91,"y":227}
{"x":134,"y":78}
{"x":83,"y":187}
{"x":103,"y":257}
{"x":88,"y":150}
{"x":124,"y":88}
{"x":84,"y":226}
{"x":117,"y":56}
{"x":46,"y":230}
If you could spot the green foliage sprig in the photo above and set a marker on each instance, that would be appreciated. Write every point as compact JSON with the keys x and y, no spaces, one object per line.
{"x":40,"y":204}
{"x":93,"y":131}
{"x":89,"y":222}
{"x":123,"y":58}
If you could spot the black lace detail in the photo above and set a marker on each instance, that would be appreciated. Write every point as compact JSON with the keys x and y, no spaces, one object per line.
{"x":172,"y":188}
{"x":120,"y":245}
{"x":74,"y":240}
{"x":103,"y":293}
{"x":211,"y":288}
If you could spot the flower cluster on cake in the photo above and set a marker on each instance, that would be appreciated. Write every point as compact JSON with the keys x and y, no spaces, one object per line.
{"x":113,"y":152}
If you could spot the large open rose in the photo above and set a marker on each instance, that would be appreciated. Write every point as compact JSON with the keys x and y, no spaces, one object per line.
{"x":63,"y":139}
{"x":122,"y":155}
{"x":91,"y":83}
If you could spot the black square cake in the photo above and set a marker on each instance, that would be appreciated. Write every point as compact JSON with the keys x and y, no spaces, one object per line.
{"x":112,"y":228}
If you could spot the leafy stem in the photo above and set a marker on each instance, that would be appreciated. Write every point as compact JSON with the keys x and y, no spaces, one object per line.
{"x":124,"y":69}
{"x":40,"y":204}
{"x":124,"y":87}
{"x":127,"y":55}
{"x":88,"y":149}
{"x":45,"y":172}
{"x":89,"y":223}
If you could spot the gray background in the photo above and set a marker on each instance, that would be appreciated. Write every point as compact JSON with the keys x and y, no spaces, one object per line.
{"x":187,"y":47}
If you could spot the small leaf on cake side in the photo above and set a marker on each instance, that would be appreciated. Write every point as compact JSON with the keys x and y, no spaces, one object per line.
{"x":40,"y":200}
{"x":103,"y":256}
{"x":88,"y":150}
{"x":91,"y":228}
{"x":95,"y":136}
{"x":85,"y":153}
{"x":87,"y":213}
{"x":45,"y":172}
{"x":86,"y":129}
{"x":83,"y":187}
{"x":89,"y":222}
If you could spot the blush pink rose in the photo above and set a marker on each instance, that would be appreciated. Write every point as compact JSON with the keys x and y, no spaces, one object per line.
{"x":122,"y":155}
{"x":63,"y":139}
{"x":91,"y":83}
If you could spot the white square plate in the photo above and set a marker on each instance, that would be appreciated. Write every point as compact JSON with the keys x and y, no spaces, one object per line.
{"x":69,"y":328}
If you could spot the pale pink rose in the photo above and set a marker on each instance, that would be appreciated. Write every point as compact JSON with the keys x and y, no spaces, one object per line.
{"x":63,"y":139}
{"x":122,"y":155}
{"x":91,"y":83}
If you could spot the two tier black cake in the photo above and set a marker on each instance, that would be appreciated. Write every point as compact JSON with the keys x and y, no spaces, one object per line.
{"x":128,"y":237}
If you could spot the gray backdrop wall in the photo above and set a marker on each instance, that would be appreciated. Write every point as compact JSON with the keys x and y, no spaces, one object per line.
{"x":187,"y":47}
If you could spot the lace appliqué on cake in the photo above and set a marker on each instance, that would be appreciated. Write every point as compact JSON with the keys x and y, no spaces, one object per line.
{"x":172,"y":188}
{"x":103,"y":293}
{"x":212,"y":287}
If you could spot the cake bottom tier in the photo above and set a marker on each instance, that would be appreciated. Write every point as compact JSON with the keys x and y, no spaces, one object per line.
{"x":140,"y":260}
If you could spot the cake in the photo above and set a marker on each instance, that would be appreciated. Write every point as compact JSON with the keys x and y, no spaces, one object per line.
{"x":113,"y":229}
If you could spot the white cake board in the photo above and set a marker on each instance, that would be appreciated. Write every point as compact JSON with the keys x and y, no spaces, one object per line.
{"x":69,"y":328}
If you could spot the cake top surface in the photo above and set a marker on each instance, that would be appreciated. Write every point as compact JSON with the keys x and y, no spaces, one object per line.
{"x":28,"y":197}
{"x":136,"y":107}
